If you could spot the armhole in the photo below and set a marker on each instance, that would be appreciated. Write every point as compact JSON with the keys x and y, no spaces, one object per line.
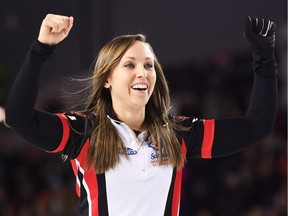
{"x":65,"y":134}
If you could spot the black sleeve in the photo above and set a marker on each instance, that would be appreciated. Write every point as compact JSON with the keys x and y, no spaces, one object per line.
{"x":76,"y":132}
{"x":236,"y":134}
{"x":42,"y":129}
{"x":221,"y":137}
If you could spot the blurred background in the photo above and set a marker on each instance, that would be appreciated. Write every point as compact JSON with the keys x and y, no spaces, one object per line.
{"x":208,"y":66}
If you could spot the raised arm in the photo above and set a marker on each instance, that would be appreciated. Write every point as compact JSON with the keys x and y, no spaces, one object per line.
{"x":233,"y":135}
{"x":222,"y":137}
{"x":41,"y":129}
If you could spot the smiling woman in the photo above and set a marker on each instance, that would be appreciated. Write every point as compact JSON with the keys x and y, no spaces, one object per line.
{"x":131,"y":83}
{"x":127,"y":151}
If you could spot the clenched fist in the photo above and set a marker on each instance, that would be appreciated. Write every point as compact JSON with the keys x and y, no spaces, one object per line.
{"x":54,"y":29}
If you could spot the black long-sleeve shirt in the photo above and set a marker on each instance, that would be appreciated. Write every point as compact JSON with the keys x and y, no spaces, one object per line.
{"x":206,"y":138}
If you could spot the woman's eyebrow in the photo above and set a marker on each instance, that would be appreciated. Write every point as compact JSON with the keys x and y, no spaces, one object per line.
{"x":133,"y":58}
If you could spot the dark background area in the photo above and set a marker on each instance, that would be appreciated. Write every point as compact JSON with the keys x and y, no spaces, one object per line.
{"x":208,"y":66}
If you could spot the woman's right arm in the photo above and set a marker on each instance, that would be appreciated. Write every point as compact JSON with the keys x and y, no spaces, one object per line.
{"x":44,"y":130}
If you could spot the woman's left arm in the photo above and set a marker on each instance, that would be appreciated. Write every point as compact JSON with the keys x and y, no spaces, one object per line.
{"x":235,"y":134}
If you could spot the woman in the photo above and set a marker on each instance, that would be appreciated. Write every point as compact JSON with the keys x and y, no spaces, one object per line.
{"x":126,"y":151}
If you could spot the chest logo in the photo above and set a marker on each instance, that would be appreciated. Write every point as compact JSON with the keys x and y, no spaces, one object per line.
{"x":129,"y":151}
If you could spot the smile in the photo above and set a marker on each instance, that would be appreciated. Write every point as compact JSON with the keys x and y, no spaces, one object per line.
{"x":140,"y":87}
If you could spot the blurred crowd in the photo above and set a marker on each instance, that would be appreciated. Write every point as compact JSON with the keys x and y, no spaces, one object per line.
{"x":251,"y":183}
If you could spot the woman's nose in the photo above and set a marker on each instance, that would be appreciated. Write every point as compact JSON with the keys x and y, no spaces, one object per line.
{"x":141,"y":72}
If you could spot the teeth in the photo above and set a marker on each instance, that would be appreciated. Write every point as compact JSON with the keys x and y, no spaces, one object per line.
{"x":140,"y":86}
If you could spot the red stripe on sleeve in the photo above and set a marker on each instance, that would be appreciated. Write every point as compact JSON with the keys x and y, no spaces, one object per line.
{"x":177,"y":186}
{"x":91,"y":181}
{"x":75,"y":170}
{"x":184,"y":149}
{"x":209,"y":128}
{"x":65,"y":136}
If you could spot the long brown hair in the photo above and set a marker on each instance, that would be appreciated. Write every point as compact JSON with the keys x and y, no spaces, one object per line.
{"x":105,"y":143}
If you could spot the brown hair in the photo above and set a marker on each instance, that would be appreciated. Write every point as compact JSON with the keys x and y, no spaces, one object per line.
{"x":105,"y":143}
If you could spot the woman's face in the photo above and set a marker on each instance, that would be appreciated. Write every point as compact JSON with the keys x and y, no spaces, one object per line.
{"x":131,"y":81}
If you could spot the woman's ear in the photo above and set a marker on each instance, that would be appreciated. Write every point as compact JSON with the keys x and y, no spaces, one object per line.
{"x":106,"y":84}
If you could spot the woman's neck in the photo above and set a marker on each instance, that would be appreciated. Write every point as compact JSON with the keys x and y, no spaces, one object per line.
{"x":134,"y":120}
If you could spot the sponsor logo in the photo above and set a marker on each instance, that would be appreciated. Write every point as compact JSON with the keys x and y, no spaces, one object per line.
{"x":129,"y":151}
{"x":150,"y":145}
{"x":154,"y":157}
{"x":156,"y":162}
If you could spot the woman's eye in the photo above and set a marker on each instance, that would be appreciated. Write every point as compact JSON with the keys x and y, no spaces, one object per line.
{"x":129,"y":65}
{"x":149,"y":66}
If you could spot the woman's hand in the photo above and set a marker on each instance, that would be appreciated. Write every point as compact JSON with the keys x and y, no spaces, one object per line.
{"x":260,"y":33}
{"x":54,"y":29}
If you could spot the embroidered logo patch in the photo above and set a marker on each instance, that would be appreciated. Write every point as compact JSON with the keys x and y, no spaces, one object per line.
{"x":129,"y":151}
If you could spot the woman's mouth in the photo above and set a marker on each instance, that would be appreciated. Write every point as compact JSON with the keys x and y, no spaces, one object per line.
{"x":140,"y":87}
